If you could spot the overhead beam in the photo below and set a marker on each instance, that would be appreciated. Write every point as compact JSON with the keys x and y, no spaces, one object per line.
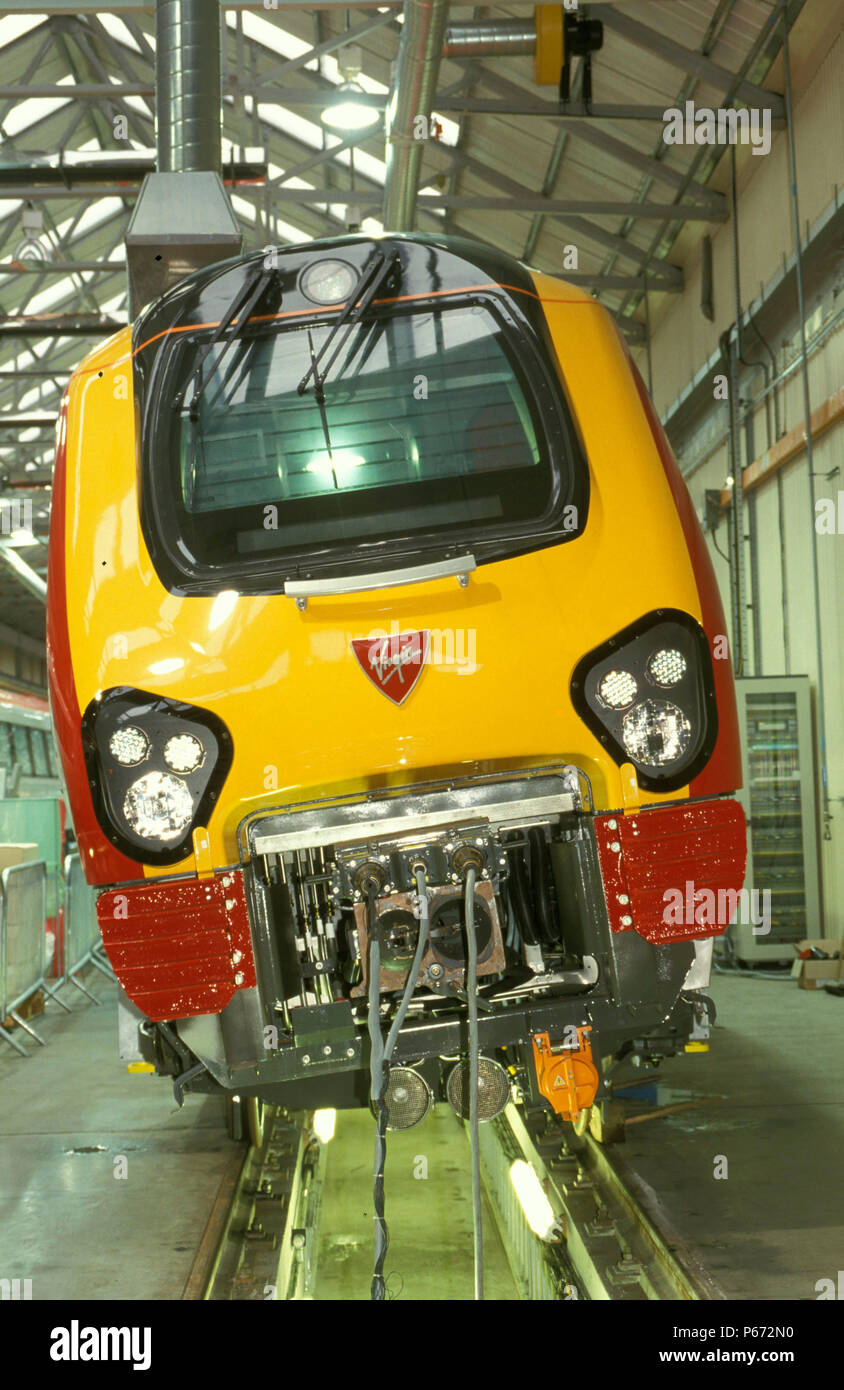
{"x":494,"y":106}
{"x":688,"y":59}
{"x":680,"y":211}
{"x":58,"y":268}
{"x":130,"y":170}
{"x":59,"y":326}
{"x":619,"y":149}
{"x":24,"y":572}
{"x":26,"y":422}
{"x":663,"y":274}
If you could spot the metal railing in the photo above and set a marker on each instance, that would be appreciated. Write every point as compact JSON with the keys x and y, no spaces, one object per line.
{"x":23,"y":943}
{"x":82,"y":941}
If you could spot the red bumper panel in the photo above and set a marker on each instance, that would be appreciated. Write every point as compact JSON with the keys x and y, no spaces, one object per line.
{"x":179,"y":949}
{"x":672,"y":874}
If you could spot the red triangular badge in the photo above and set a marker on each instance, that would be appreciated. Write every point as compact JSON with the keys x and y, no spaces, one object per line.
{"x":393,"y":664}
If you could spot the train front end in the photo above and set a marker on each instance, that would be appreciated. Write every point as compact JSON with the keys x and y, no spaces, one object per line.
{"x":388,"y":668}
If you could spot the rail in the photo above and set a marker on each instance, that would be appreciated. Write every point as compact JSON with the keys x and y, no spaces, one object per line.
{"x":594,"y":1232}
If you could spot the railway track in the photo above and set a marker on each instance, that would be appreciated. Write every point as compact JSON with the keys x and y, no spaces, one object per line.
{"x":600,"y":1234}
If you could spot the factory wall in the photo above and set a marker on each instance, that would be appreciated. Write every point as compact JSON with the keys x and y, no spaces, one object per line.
{"x":779,"y":517}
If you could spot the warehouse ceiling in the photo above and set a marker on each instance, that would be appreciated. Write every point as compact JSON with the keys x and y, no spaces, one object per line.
{"x":505,"y":164}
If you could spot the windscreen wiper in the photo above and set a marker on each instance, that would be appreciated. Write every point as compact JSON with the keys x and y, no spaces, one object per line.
{"x":319,"y":397}
{"x":371,"y":279}
{"x":240,"y":308}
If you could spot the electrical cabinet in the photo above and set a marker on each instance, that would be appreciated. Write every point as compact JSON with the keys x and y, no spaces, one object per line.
{"x":780,"y":803}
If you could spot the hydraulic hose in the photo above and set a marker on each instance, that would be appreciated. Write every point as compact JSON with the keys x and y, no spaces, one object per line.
{"x":472,"y":997}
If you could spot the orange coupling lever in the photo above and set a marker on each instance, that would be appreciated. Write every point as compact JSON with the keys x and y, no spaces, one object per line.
{"x":568,"y":1079}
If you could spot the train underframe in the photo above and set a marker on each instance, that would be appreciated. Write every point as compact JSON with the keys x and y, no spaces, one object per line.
{"x":564,"y":981}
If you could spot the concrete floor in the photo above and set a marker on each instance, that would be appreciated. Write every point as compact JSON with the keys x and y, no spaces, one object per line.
{"x":770,"y":1100}
{"x":66,"y":1113}
{"x":429,"y":1218}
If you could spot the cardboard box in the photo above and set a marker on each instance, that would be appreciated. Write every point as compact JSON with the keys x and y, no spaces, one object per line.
{"x":814,"y":973}
{"x":17,"y":854}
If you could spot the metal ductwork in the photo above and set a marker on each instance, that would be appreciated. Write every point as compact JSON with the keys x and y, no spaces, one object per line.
{"x":426,"y":38}
{"x":489,"y":40}
{"x":183,"y":219}
{"x":414,"y":84}
{"x":188,"y":85}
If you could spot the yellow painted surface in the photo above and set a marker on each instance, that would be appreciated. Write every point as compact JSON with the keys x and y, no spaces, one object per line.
{"x":304,"y":720}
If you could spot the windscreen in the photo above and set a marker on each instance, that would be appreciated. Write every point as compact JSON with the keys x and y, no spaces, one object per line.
{"x":425,"y":429}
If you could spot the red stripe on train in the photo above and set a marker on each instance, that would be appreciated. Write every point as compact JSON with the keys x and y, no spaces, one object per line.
{"x":101,"y":862}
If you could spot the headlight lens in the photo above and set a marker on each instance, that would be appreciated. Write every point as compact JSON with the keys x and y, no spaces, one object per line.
{"x":667,"y":666}
{"x":618,"y":689}
{"x":655,"y":732}
{"x":129,"y":745}
{"x":183,"y":753}
{"x":328,"y":282}
{"x":158,"y":807}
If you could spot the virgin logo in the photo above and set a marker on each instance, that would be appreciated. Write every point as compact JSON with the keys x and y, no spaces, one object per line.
{"x":393,"y":664}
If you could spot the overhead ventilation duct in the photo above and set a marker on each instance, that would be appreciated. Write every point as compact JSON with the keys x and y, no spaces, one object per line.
{"x":187,"y":86}
{"x":489,"y":40}
{"x":183,"y":219}
{"x":416,"y":70}
{"x":425,"y":40}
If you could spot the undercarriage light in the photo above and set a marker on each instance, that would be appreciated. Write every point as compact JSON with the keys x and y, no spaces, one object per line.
{"x":618,"y":689}
{"x":129,"y":745}
{"x":158,"y":807}
{"x":655,"y":732}
{"x":324,"y":1122}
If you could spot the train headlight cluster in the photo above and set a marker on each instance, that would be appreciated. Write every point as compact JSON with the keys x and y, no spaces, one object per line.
{"x":621,"y":691}
{"x":156,"y":767}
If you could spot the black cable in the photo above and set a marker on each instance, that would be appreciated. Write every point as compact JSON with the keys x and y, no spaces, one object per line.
{"x":519,"y":894}
{"x":377,"y":1090}
{"x":380,"y":1057}
{"x":539,"y":884}
{"x":471,"y":983}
